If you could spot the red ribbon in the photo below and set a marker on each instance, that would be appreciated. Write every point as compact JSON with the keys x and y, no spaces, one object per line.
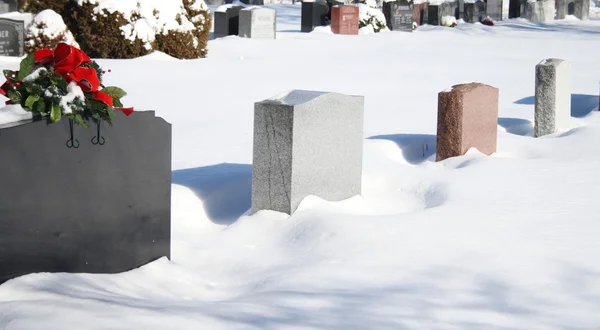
{"x":126,"y":111}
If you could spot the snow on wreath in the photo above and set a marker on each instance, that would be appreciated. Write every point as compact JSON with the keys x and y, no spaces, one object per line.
{"x":63,"y":82}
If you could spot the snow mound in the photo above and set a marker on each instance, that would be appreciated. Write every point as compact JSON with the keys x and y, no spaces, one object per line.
{"x":13,"y":113}
{"x":369,"y":16}
{"x":46,"y":26}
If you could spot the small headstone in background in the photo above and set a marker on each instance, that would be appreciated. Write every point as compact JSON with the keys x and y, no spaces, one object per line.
{"x":436,"y":12}
{"x":538,"y":11}
{"x":474,"y":12}
{"x":344,"y":19}
{"x":399,"y":15}
{"x":12,"y":37}
{"x":420,"y":13}
{"x":577,"y":8}
{"x":467,"y":118}
{"x":227,"y":21}
{"x":257,"y":22}
{"x":314,"y":13}
{"x":306,"y":143}
{"x":493,"y":9}
{"x":552,"y":96}
{"x":7,"y":6}
{"x":516,"y":8}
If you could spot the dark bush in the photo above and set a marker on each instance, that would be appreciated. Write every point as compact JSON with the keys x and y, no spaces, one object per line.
{"x":190,"y":44}
{"x":100,"y":35}
{"x":35,"y":6}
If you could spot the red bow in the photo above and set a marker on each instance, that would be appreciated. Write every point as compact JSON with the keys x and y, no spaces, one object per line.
{"x":67,"y":61}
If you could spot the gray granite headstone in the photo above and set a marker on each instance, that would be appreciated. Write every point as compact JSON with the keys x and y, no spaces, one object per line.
{"x":257,"y":22}
{"x":475,"y":12}
{"x":552,"y":96}
{"x":538,"y":11}
{"x":306,"y":143}
{"x":577,"y":8}
{"x":11,"y":37}
{"x":493,"y":9}
{"x":92,"y":209}
{"x":7,"y":6}
{"x":227,"y":21}
{"x":436,"y":12}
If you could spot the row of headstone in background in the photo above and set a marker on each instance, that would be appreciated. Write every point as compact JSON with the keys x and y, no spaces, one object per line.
{"x":92,"y":209}
{"x":7,"y":6}
{"x":403,"y":15}
{"x":544,"y":10}
{"x":249,"y":22}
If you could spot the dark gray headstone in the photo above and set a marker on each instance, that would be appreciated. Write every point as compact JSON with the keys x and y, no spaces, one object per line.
{"x":314,"y":13}
{"x":433,"y":15}
{"x":516,"y":8}
{"x":92,"y":209}
{"x":11,"y":37}
{"x":227,"y":22}
{"x":7,"y":6}
{"x":399,"y":15}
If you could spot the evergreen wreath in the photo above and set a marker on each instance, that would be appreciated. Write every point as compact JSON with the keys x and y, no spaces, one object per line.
{"x":63,"y":82}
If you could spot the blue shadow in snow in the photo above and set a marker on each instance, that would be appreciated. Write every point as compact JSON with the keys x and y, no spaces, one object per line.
{"x":225,"y":189}
{"x":416,"y":148}
{"x":581,"y":104}
{"x":516,"y":126}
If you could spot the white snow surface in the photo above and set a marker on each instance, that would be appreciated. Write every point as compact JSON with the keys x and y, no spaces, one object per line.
{"x":53,"y":27}
{"x":509,"y":241}
{"x":13,"y":113}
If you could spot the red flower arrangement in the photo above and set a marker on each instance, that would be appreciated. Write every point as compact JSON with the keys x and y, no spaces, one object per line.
{"x":63,"y":82}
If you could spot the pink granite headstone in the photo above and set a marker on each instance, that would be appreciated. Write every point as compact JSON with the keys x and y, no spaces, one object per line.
{"x":467,"y":118}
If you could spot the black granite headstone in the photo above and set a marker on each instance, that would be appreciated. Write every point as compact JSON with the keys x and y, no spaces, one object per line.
{"x":399,"y":15}
{"x":227,"y":22}
{"x":433,"y":16}
{"x":92,"y":209}
{"x":314,"y":14}
{"x":515,"y":8}
{"x":11,"y":37}
{"x":7,"y":6}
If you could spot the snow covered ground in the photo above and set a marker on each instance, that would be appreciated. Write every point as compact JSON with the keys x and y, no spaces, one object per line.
{"x":510,"y":241}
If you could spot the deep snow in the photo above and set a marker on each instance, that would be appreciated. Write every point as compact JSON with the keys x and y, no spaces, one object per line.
{"x":509,"y":241}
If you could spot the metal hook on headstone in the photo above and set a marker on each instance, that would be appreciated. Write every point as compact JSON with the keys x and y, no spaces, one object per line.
{"x":72,"y":142}
{"x":98,"y":139}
